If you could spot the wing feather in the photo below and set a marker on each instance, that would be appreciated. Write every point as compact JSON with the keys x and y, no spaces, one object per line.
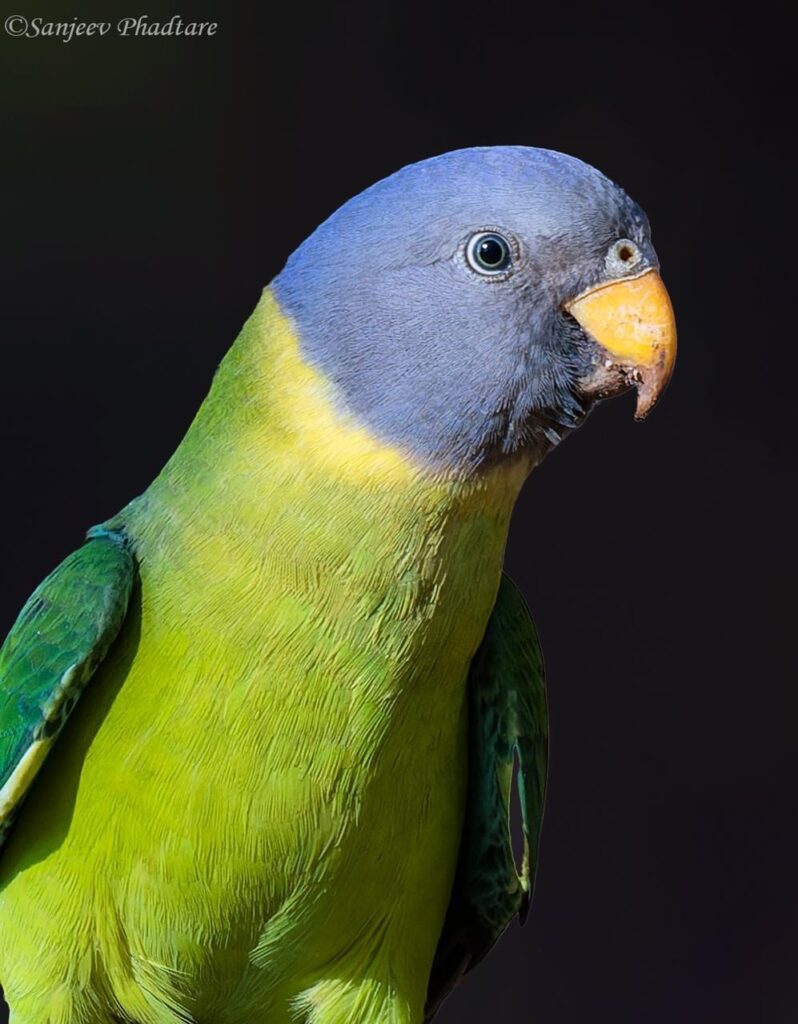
{"x":59,"y":638}
{"x":507,"y":729}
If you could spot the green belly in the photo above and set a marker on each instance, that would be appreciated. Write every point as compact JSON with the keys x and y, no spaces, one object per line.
{"x":263,"y":795}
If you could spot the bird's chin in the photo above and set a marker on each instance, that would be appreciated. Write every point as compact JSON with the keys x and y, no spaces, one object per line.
{"x":607,"y":380}
{"x":610,"y":378}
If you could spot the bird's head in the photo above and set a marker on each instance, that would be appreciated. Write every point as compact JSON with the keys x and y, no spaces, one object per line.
{"x":477,"y":304}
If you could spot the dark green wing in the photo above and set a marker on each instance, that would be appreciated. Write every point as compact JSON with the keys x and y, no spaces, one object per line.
{"x":507,"y":721}
{"x":59,"y":639}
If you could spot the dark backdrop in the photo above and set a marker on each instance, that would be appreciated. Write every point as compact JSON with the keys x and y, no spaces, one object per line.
{"x":151,"y":187}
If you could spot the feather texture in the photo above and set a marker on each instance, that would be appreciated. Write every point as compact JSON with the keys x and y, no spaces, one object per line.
{"x":60,"y":636}
{"x":507,"y":723}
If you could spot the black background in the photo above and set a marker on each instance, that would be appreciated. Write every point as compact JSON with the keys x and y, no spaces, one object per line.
{"x":151,"y":187}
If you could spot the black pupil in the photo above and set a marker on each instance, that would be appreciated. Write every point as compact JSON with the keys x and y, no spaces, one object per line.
{"x":491,"y":252}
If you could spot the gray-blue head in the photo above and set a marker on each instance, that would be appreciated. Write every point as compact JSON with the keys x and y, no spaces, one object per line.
{"x":477,"y":303}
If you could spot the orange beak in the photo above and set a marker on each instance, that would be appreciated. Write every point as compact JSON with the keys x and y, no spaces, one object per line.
{"x":632,"y":321}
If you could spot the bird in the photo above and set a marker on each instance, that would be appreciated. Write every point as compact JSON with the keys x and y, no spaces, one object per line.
{"x":260,"y":731}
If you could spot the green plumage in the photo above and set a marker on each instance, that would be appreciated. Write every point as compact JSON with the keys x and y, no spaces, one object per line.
{"x":51,"y":652}
{"x":66,"y":627}
{"x":507,"y":724}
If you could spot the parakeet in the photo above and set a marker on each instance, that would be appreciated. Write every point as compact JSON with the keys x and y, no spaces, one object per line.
{"x":257,"y":734}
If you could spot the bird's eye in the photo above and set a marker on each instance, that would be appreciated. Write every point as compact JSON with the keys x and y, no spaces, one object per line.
{"x":489,"y":253}
{"x":623,"y":256}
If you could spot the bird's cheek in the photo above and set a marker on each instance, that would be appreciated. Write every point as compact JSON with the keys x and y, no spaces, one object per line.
{"x":632,"y":324}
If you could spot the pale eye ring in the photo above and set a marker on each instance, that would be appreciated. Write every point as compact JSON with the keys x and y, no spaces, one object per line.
{"x":489,"y":253}
{"x":623,"y":256}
